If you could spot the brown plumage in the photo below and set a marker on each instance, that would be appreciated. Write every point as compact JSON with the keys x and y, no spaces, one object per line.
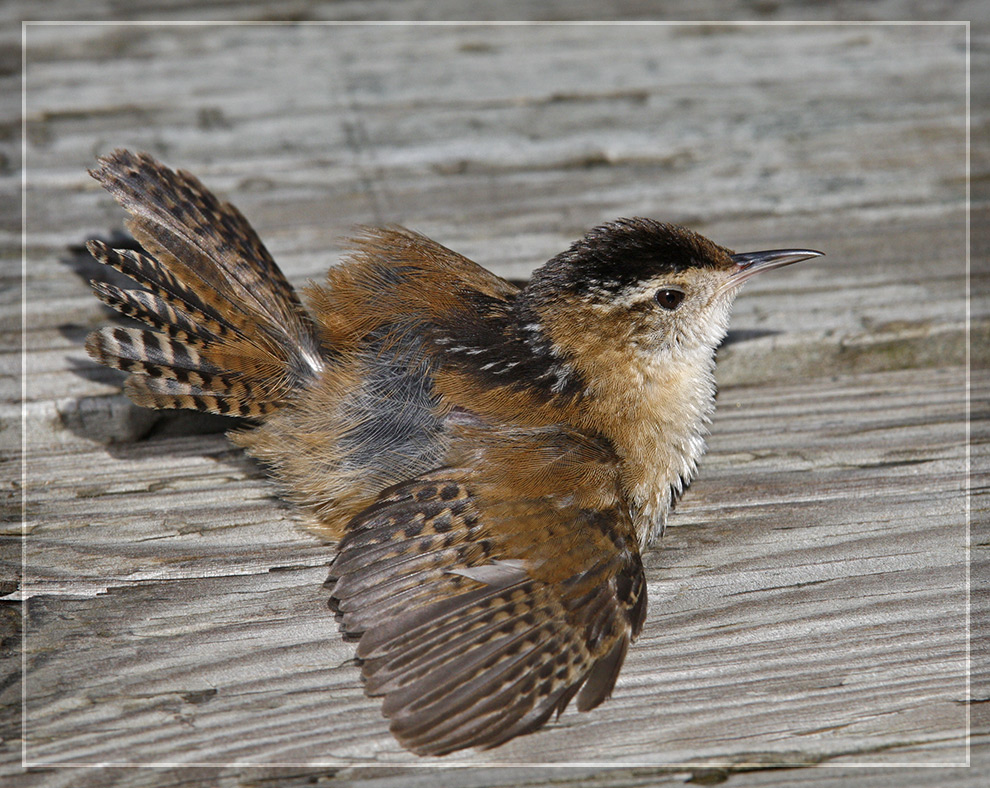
{"x":491,"y":459}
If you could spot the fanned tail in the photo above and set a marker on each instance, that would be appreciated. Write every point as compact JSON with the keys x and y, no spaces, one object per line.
{"x":230,"y":334}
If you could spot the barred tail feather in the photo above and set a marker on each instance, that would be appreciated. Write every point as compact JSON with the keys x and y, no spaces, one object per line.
{"x":234,"y":338}
{"x":142,"y":305}
{"x":163,"y":393}
{"x":180,"y":221}
{"x":165,"y":286}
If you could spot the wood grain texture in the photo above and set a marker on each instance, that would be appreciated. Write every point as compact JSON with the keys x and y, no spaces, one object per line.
{"x":809,"y":603}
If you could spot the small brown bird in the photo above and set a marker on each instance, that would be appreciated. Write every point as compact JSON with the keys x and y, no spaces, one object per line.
{"x":492,"y":460}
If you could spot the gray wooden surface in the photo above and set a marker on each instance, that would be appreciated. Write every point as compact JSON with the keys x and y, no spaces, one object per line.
{"x":809,"y":605}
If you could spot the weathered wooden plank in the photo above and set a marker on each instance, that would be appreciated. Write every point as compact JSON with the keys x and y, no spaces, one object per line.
{"x":809,"y":601}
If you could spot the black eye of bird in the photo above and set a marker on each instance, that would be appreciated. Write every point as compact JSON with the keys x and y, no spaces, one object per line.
{"x":669,"y":299}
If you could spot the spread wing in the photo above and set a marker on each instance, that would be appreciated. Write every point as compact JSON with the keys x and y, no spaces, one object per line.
{"x":485,"y":600}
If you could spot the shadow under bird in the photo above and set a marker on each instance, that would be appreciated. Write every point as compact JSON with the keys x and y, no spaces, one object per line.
{"x":492,"y":460}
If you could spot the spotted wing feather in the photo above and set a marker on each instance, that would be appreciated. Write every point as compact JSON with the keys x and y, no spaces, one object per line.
{"x":468,"y":644}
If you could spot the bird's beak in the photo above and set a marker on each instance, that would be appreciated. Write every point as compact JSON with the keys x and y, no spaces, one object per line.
{"x":749,"y":264}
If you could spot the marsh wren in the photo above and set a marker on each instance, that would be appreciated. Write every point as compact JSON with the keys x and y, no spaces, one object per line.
{"x":492,"y":460}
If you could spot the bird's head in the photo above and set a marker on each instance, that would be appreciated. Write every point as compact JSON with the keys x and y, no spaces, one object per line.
{"x":638,"y":288}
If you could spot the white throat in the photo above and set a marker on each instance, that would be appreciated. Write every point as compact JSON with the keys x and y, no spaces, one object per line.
{"x":674,"y":413}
